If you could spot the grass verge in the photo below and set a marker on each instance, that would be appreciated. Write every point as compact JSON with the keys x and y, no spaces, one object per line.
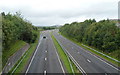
{"x":100,"y":55}
{"x":24,"y":63}
{"x":64,"y":58}
{"x":13,"y":48}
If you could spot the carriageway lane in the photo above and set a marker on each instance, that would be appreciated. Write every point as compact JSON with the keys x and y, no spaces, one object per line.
{"x":89,"y":62}
{"x":46,"y":59}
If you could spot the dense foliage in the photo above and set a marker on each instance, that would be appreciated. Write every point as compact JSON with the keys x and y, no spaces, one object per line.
{"x":48,"y":28}
{"x":14,"y":27}
{"x":103,"y":35}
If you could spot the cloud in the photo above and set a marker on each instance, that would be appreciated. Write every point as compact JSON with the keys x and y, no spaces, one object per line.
{"x":52,"y":12}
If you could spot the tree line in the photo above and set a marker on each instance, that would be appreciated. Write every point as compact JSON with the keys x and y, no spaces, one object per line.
{"x":47,"y":27}
{"x":103,"y":35}
{"x":15,"y":27}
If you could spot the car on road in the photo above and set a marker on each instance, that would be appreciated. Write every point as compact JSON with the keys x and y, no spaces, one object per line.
{"x":44,"y":37}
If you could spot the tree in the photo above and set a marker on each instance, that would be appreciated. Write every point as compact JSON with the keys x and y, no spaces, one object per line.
{"x":16,"y":28}
{"x":104,"y":35}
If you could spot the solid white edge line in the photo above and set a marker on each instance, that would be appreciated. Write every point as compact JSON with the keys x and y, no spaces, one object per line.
{"x":102,"y":54}
{"x":96,"y":56}
{"x":79,"y":67}
{"x":60,"y":62}
{"x":33,"y":57}
{"x":58,"y":58}
{"x":70,"y":64}
{"x":102,"y":60}
{"x":68,"y":60}
{"x":19,"y":63}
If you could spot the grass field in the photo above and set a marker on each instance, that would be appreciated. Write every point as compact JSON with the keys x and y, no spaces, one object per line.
{"x":64,"y":58}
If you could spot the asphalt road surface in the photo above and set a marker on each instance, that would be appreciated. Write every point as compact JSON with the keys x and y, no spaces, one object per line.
{"x":45,"y":59}
{"x":90,"y":63}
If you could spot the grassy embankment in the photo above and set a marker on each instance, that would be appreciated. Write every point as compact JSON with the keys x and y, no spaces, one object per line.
{"x":64,"y":58}
{"x":113,"y":54}
{"x":13,"y":48}
{"x":0,"y":48}
{"x":21,"y":67}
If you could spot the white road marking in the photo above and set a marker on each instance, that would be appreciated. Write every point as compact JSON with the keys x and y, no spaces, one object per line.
{"x":76,"y":63}
{"x":97,"y":58}
{"x":45,"y":59}
{"x":102,"y":53}
{"x":46,"y":51}
{"x":19,"y":63}
{"x":33,"y":57}
{"x":70,"y":64}
{"x":79,"y":67}
{"x":88,"y":60}
{"x":45,"y":72}
{"x":102,"y":60}
{"x":59,"y":61}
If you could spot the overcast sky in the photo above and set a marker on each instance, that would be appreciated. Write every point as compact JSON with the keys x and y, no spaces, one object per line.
{"x":59,"y":12}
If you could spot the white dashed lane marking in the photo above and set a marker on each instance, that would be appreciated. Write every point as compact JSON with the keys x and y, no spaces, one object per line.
{"x":88,"y":60}
{"x":45,"y":59}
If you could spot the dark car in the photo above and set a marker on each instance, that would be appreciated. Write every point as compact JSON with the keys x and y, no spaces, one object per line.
{"x":44,"y":37}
